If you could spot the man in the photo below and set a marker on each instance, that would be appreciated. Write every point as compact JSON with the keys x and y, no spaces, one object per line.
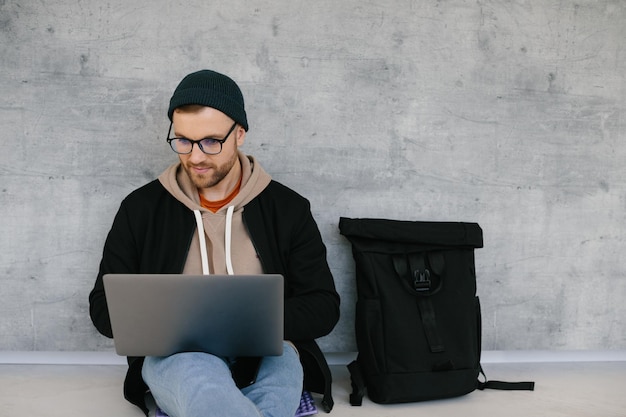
{"x":183,"y":223}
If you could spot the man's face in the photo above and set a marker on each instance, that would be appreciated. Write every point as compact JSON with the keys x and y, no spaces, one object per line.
{"x":209,"y":171}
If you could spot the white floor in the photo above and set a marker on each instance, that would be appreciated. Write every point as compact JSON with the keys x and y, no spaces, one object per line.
{"x":568,"y":389}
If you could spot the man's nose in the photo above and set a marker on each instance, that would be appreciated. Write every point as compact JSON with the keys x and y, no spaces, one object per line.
{"x":196,"y":154}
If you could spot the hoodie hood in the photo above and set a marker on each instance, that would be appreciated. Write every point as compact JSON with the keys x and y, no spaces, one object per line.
{"x":254,"y":180}
{"x":218,"y":232}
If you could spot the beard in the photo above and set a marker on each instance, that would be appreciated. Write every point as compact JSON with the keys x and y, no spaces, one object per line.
{"x":216,"y":174}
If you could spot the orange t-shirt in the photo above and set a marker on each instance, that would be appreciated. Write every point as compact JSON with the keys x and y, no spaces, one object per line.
{"x":214,"y":206}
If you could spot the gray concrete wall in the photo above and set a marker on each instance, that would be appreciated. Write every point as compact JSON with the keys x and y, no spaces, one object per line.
{"x":506,"y":113}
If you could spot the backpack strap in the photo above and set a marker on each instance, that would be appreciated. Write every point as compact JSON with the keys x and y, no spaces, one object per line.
{"x":416,"y":277}
{"x":506,"y":386}
{"x":358,"y":383}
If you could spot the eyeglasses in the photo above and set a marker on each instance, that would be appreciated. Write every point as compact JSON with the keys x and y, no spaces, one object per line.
{"x":209,"y":146}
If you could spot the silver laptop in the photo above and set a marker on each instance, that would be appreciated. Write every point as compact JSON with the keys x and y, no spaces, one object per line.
{"x":163,"y":314}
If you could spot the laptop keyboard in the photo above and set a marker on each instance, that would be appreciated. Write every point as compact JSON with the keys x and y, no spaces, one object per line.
{"x":306,"y":407}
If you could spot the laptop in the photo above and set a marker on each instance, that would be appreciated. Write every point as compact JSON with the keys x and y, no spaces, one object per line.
{"x":225,"y":315}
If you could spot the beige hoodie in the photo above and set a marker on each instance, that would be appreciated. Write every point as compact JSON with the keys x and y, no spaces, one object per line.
{"x":210,"y":252}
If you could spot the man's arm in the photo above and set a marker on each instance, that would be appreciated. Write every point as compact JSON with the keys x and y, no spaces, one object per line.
{"x":288,"y":241}
{"x":312,"y":302}
{"x":119,"y":256}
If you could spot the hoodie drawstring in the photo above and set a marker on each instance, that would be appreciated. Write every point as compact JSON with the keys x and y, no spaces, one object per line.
{"x":228,"y":237}
{"x":202,"y":238}
{"x":227,"y":241}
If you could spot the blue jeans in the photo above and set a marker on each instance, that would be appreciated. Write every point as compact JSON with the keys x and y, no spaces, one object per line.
{"x":195,"y":384}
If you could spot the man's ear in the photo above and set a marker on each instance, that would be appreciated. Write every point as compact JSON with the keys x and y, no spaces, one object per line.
{"x":240,"y":135}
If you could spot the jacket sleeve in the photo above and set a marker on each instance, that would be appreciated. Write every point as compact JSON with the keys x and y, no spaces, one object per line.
{"x":289,"y":242}
{"x":119,"y":256}
{"x":312,"y":302}
{"x":151,"y":233}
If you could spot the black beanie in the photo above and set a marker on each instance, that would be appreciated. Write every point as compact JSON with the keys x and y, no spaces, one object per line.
{"x":211,"y":89}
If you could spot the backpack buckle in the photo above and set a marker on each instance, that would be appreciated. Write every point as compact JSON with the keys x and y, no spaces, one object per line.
{"x":421,"y":280}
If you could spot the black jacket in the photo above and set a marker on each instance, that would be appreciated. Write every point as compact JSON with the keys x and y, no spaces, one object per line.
{"x":152,"y":231}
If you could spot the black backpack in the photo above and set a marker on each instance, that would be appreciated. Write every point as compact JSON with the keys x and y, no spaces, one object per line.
{"x":418,"y":321}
